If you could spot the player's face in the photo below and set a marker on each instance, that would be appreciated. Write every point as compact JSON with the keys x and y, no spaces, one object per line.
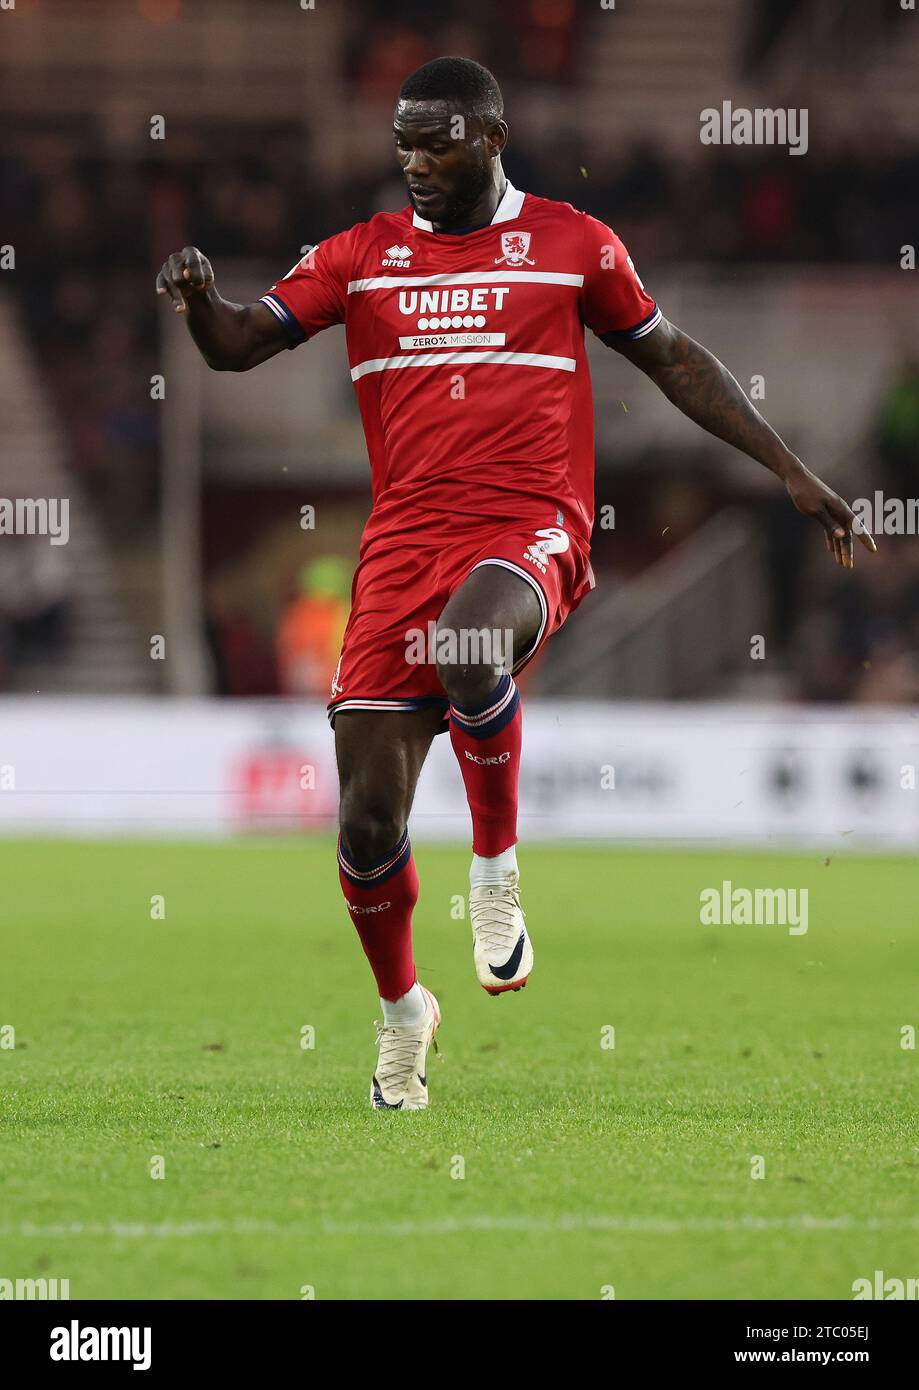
{"x":446,"y":159}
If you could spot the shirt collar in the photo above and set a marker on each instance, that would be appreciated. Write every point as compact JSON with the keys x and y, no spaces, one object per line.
{"x":508,"y":208}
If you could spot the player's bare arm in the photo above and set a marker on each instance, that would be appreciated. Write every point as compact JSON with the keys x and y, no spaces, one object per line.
{"x":230,"y":337}
{"x":703,"y":388}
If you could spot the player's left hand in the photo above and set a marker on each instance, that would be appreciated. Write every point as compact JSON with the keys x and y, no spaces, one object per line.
{"x":814,"y":498}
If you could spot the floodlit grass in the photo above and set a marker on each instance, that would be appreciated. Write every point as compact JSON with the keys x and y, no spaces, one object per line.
{"x":585,"y":1166}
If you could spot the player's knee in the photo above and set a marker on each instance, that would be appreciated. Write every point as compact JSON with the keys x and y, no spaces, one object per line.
{"x":369,"y":828}
{"x":467,"y":685}
{"x":465,"y":667}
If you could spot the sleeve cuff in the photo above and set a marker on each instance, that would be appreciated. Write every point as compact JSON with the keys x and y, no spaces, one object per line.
{"x":639,"y":330}
{"x":285,"y":317}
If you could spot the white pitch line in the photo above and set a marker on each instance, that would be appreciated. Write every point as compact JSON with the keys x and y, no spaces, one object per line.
{"x":140,"y":1230}
{"x":640,"y":1225}
{"x":625,"y":1225}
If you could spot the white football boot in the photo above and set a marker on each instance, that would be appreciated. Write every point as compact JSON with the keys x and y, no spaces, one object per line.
{"x":400,"y":1081}
{"x":501,"y":947}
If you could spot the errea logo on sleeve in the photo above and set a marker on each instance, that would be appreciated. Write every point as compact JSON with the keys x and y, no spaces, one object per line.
{"x":398,"y":256}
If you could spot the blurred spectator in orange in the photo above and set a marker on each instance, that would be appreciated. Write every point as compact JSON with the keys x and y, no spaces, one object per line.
{"x":311,"y":627}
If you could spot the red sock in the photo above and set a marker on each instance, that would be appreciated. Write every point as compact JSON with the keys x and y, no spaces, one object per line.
{"x":380,"y":898}
{"x":486,"y":740}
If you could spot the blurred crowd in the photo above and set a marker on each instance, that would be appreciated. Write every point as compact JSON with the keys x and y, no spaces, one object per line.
{"x":92,"y":226}
{"x":857,"y":635}
{"x":92,"y":233}
{"x":35,"y":610}
{"x":858,"y":640}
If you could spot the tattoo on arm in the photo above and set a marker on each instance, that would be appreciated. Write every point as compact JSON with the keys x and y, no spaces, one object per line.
{"x":704,"y":390}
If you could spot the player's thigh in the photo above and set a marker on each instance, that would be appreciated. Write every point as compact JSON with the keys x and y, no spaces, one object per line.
{"x":380,"y":754}
{"x":497,"y":602}
{"x":486,"y":626}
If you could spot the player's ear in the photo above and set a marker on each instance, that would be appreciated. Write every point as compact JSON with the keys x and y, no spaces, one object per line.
{"x":497,"y":138}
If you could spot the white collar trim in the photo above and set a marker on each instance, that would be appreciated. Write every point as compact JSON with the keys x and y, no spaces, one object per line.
{"x":509,"y":207}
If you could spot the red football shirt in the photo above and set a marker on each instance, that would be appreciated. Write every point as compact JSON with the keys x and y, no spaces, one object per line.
{"x":467,"y":355}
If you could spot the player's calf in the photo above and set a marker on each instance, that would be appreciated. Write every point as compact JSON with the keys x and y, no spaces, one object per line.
{"x":379,"y":757}
{"x":486,"y":739}
{"x":380,"y":896}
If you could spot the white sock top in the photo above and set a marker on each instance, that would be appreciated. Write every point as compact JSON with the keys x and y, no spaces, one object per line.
{"x":493,"y":871}
{"x":409,"y":1009}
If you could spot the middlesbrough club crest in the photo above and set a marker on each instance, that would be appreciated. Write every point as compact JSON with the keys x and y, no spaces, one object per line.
{"x":515,"y":246}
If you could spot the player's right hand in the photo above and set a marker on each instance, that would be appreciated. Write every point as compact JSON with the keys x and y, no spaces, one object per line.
{"x":185,"y":273}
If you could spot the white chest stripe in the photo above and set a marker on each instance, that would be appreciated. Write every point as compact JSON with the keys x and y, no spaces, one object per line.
{"x":438,"y":359}
{"x":481,"y":277}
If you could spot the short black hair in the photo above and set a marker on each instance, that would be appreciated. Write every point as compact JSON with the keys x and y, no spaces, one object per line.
{"x":459,"y":80}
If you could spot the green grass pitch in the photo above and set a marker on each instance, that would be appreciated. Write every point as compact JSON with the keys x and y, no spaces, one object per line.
{"x":585,"y":1168}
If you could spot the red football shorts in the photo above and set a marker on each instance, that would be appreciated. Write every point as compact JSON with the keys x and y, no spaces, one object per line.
{"x":403,"y":582}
